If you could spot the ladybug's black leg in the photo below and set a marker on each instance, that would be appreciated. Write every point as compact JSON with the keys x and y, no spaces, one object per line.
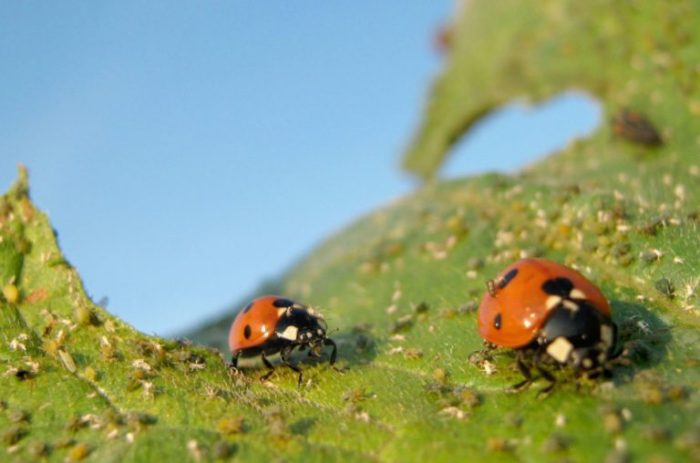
{"x":549,"y":377}
{"x":330,"y":342}
{"x":234,"y":360}
{"x":267,"y":363}
{"x":334,"y":352}
{"x":525,"y":371}
{"x":284,"y":354}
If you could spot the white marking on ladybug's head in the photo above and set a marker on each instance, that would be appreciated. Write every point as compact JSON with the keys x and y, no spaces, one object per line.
{"x":264,"y":330}
{"x":606,"y":335}
{"x":552,"y":302}
{"x":571,"y":305}
{"x":560,"y":349}
{"x":289,"y":333}
{"x":319,"y":332}
{"x":281,"y":311}
{"x":577,"y":294}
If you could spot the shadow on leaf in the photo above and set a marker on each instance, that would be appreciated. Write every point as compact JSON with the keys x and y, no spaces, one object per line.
{"x":642,"y":336}
{"x":357,"y":346}
{"x":302,"y":426}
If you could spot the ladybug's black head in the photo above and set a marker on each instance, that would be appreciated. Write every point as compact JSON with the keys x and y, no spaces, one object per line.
{"x":578,"y":334}
{"x":301,"y":326}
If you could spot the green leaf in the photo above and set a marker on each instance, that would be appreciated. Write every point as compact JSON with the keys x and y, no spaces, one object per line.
{"x":399,"y":287}
{"x":78,"y":383}
{"x":639,"y":55}
{"x":624,"y":212}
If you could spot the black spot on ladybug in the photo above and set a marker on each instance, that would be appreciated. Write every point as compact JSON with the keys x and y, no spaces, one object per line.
{"x":248,"y":307}
{"x":507,"y":278}
{"x":247,"y":331}
{"x":497,"y":321}
{"x":558,"y":287}
{"x":280,"y":303}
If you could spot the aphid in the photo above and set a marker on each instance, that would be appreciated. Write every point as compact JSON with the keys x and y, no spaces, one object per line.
{"x":272,"y":324}
{"x":549,"y":313}
{"x":665,"y":287}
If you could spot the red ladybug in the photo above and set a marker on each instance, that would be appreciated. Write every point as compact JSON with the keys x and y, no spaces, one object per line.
{"x":272,"y":324}
{"x":551,"y":314}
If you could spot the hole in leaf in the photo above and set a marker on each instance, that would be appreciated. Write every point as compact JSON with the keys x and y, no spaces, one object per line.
{"x":518,"y":134}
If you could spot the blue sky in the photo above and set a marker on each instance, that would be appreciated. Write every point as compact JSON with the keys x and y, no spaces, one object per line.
{"x":185,"y":151}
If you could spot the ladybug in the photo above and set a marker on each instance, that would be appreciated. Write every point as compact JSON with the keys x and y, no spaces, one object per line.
{"x":549,"y":313}
{"x":272,"y":324}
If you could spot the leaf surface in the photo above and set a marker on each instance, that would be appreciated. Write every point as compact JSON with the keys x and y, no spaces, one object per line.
{"x":399,"y":287}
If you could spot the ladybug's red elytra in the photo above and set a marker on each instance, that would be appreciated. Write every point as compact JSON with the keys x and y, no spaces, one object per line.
{"x":548,"y":312}
{"x":272,"y":324}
